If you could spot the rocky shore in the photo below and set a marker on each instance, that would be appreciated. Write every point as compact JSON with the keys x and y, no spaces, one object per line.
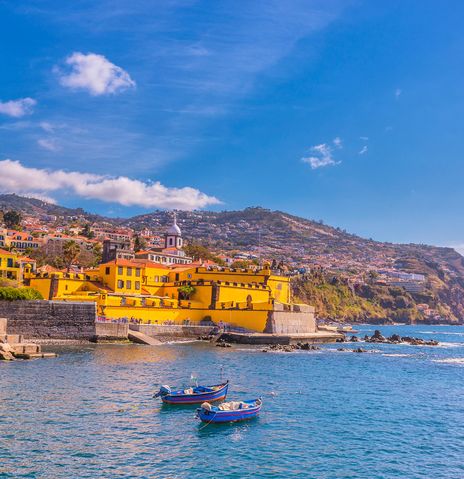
{"x":377,"y":337}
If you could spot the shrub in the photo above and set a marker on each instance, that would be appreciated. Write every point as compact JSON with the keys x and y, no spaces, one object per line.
{"x":14,"y":294}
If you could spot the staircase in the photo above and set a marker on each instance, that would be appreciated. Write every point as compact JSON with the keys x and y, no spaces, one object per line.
{"x":12,"y":346}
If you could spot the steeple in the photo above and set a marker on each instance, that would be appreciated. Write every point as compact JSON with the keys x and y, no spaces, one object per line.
{"x":173,"y":237}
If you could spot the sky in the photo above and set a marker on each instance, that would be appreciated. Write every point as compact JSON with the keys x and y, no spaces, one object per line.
{"x":347,"y":111}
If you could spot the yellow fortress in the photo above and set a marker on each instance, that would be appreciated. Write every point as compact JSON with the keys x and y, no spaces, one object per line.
{"x":148,"y":292}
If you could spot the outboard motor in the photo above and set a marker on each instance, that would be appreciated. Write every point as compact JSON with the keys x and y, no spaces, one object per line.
{"x":164,"y":391}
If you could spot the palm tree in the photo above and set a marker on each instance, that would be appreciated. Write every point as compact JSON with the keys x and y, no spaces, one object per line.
{"x":71,"y":251}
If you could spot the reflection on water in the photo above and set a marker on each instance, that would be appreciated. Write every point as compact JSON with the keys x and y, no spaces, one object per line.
{"x":395,"y":413}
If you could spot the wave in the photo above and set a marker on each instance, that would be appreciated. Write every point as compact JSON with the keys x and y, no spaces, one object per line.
{"x":441,"y":332}
{"x":397,"y":355}
{"x":449,"y":361}
{"x":448,"y":345}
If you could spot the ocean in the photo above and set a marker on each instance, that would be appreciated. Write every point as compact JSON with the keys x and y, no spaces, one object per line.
{"x":396,"y":411}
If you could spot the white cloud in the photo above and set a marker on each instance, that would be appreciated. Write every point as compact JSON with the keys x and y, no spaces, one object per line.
{"x":95,"y":74}
{"x":323,"y":155}
{"x":363,"y":150}
{"x":398,"y":92}
{"x":46,"y":126}
{"x":20,"y":179}
{"x":48,"y":144}
{"x":364,"y":138}
{"x":17,"y":108}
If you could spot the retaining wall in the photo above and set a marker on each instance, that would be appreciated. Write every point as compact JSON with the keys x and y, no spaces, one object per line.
{"x":50,"y":319}
{"x":111,"y":331}
{"x":172,"y":330}
{"x":299,"y":320}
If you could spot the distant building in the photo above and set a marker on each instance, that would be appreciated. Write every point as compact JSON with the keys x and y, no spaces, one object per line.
{"x":172,"y":253}
{"x":116,"y":249}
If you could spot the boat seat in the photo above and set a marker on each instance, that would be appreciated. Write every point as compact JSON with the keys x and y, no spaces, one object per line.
{"x":232,"y":406}
{"x":188,"y":391}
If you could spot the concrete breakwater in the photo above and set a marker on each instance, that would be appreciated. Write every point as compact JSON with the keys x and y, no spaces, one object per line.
{"x":50,"y":319}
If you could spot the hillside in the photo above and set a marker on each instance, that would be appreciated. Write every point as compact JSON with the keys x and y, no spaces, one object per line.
{"x":33,"y":206}
{"x":298,"y":242}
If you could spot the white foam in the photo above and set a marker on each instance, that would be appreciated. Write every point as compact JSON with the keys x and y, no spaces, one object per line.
{"x":398,"y":355}
{"x":450,"y":361}
{"x":448,"y":345}
{"x":448,"y":333}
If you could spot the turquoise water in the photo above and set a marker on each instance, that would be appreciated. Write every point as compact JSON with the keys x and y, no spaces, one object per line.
{"x":397,"y":412}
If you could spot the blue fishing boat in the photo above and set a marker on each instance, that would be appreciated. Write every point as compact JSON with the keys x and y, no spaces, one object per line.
{"x":193,"y":395}
{"x":232,"y":411}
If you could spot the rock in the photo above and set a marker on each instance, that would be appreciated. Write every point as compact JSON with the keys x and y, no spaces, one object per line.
{"x":360,"y":350}
{"x":340,"y":340}
{"x":394,"y":338}
{"x":6,"y":352}
{"x":354,"y":339}
{"x":377,"y":337}
{"x":223,"y":345}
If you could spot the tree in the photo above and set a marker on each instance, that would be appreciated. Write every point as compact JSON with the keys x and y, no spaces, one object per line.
{"x":186,"y":291}
{"x":87,"y":232}
{"x":71,"y":251}
{"x":12,"y":219}
{"x":139,"y":243}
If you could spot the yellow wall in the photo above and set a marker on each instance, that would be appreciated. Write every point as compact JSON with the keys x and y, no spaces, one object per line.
{"x":244,"y":298}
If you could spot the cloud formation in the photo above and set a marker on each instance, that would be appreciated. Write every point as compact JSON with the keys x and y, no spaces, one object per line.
{"x":48,"y":144}
{"x":363,"y":150}
{"x":18,"y":108}
{"x":36,"y":182}
{"x":323,"y":154}
{"x":95,"y":74}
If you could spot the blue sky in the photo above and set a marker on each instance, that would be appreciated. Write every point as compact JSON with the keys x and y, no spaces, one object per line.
{"x":346,"y":111}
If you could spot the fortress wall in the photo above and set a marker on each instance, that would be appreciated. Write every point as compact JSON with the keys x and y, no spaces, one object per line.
{"x":174,"y":330}
{"x":291,"y":322}
{"x":50,"y":319}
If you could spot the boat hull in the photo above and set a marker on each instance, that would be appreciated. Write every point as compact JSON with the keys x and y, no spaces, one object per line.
{"x":198,"y":398}
{"x":217,"y":416}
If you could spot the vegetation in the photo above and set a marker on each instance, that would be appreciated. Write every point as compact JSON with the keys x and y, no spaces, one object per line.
{"x":201,"y":252}
{"x":139,"y":244}
{"x":87,"y":232}
{"x":71,"y":251}
{"x":14,"y":294}
{"x":336,"y":299}
{"x":186,"y":291}
{"x":12,"y":219}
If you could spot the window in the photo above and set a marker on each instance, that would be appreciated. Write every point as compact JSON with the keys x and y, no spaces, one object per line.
{"x":128,"y":284}
{"x":137,"y":272}
{"x":120,"y":270}
{"x":137,"y":285}
{"x":129,"y":271}
{"x":9,"y":262}
{"x":120,"y":283}
{"x":107,"y":270}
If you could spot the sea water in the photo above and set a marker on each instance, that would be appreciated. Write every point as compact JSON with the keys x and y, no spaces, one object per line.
{"x":394,"y":412}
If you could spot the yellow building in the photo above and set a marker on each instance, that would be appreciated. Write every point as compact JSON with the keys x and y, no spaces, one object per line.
{"x":141,"y":290}
{"x":14,"y":267}
{"x":154,"y":293}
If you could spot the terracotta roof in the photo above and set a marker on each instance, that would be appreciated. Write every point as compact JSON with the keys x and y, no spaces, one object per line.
{"x":4,"y":251}
{"x":136,"y":262}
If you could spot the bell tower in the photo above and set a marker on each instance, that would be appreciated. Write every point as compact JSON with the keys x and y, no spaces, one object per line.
{"x":173,"y":236}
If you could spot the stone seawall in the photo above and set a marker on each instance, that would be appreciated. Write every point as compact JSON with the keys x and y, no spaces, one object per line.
{"x":300,"y":319}
{"x":50,"y":319}
{"x":111,"y":331}
{"x":173,"y":330}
